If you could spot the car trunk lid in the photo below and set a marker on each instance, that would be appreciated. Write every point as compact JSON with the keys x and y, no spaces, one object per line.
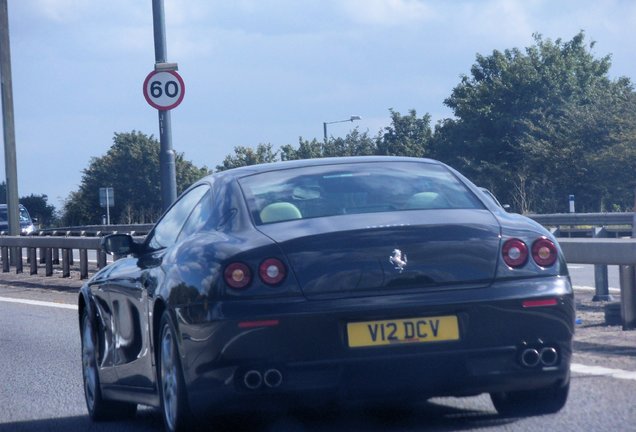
{"x":355,"y":255}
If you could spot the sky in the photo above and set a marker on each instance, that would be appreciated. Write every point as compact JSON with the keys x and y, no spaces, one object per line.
{"x":260,"y":71}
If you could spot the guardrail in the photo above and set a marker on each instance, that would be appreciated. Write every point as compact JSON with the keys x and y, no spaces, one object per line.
{"x":96,"y":230}
{"x":12,"y":247}
{"x":593,"y":219}
{"x":598,"y":251}
{"x":587,"y":224}
{"x":602,"y":252}
{"x":46,"y":246}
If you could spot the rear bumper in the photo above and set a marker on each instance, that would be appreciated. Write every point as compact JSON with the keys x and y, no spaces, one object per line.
{"x":394,"y":381}
{"x":305,"y":344}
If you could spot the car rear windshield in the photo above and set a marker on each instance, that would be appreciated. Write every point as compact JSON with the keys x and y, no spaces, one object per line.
{"x":23,"y":214}
{"x":355,"y":188}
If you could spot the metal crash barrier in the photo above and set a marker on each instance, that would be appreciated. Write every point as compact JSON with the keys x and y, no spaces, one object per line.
{"x":12,"y":251}
{"x":46,"y":247}
{"x":598,"y":251}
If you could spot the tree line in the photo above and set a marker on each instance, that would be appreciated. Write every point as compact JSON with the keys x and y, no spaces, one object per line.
{"x":39,"y":209}
{"x":533,"y":125}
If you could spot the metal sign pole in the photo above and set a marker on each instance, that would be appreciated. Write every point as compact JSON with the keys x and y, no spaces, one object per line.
{"x":8,"y":122}
{"x":166,"y":156}
{"x":107,"y":208}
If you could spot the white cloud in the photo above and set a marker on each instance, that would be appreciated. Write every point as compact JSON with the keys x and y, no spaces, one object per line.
{"x":498,"y":20}
{"x":387,"y":12}
{"x":194,"y":11}
{"x":67,"y":11}
{"x":60,"y":10}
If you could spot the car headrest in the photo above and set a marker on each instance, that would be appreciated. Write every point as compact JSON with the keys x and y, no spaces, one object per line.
{"x":279,"y":211}
{"x":422,"y":200}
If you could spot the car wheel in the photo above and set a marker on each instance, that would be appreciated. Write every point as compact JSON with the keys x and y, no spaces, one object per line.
{"x":174,"y":404}
{"x":99,"y":409}
{"x":531,"y":402}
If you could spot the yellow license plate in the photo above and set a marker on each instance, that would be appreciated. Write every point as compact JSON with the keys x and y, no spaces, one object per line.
{"x":400,"y":331}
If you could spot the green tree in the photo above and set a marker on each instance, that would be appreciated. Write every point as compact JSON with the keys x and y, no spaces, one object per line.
{"x":37,"y":205}
{"x":306,"y":150}
{"x":131,"y":168}
{"x":74,"y":212}
{"x":527,"y":123}
{"x":406,"y":136}
{"x":611,"y":170}
{"x":244,"y":156}
{"x":39,"y":209}
{"x":355,"y":143}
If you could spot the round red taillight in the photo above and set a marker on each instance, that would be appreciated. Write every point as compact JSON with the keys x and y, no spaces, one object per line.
{"x":544,"y":252}
{"x":238,"y":275}
{"x":272,"y":271}
{"x":515,"y":253}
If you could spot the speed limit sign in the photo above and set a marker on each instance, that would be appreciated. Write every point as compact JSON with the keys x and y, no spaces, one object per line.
{"x":164,"y":90}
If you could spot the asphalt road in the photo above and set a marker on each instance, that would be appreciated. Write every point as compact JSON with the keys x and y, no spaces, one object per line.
{"x":41,"y":389}
{"x":583,"y":276}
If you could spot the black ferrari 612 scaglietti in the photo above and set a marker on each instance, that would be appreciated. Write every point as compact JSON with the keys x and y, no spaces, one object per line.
{"x":378,"y":279}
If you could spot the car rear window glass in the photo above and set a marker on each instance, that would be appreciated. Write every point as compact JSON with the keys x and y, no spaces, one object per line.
{"x":355,"y":188}
{"x":23,"y":215}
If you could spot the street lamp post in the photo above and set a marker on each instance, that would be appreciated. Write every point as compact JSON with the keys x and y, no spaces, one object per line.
{"x":351,"y":119}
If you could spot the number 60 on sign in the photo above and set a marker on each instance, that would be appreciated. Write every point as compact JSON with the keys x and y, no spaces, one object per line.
{"x":164,"y":90}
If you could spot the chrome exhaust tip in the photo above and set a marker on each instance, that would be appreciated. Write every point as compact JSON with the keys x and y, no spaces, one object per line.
{"x":530,"y":357}
{"x":252,"y":379}
{"x":273,"y":378}
{"x":549,"y":356}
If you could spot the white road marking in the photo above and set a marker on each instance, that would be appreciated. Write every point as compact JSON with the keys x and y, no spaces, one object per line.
{"x":38,"y":303}
{"x":589,"y":288}
{"x":574,"y":367}
{"x":603,"y":371}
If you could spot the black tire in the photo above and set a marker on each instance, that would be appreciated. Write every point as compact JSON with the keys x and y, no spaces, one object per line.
{"x":99,"y":409}
{"x":174,"y":402}
{"x":531,"y":402}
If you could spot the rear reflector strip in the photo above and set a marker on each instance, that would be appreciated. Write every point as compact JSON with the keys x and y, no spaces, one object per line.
{"x":254,"y":324}
{"x":539,"y":303}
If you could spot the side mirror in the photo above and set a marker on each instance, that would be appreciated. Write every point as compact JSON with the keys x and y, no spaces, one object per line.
{"x":118,"y":244}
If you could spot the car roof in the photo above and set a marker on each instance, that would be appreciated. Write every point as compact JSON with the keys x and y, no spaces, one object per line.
{"x":275,"y":166}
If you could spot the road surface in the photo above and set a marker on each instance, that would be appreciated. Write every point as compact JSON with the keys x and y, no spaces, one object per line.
{"x":41,"y":388}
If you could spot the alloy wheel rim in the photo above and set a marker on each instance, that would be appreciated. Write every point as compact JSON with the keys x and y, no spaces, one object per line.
{"x":89,"y":366}
{"x":169,"y":378}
